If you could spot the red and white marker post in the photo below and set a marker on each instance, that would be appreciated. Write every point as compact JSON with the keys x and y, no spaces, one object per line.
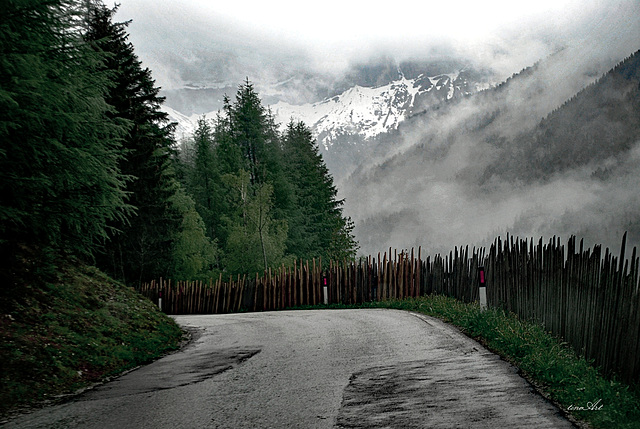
{"x":483,"y":289}
{"x":326,"y":291}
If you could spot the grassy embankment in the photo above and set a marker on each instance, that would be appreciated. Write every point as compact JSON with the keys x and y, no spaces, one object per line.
{"x":548,"y":363}
{"x":70,"y":332}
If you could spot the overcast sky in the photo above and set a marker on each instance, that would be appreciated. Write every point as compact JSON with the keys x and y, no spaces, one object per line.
{"x":201,"y":41}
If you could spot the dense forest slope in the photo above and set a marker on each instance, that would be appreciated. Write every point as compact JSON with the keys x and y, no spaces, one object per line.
{"x":602,"y":122}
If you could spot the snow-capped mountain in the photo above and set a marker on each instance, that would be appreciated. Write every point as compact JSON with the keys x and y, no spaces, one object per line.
{"x":359,"y":109}
{"x":186,"y":124}
{"x":365,"y":112}
{"x":360,"y":112}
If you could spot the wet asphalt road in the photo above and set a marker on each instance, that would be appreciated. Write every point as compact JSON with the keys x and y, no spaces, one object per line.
{"x":313,"y":369}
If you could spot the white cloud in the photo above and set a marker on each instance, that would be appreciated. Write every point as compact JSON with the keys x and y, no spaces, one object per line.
{"x":181,"y":40}
{"x":339,"y":20}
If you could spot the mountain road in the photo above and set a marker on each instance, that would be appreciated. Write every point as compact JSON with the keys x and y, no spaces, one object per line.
{"x":372,"y":368}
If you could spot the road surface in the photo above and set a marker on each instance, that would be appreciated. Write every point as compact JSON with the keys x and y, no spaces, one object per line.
{"x":313,"y":369}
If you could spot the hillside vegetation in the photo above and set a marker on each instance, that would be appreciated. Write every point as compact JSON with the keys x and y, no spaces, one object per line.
{"x":68,"y":326}
{"x":600,"y":123}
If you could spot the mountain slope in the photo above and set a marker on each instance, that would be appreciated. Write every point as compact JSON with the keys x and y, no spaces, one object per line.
{"x":369,"y":111}
{"x":348,"y":126}
{"x":185,"y":125}
{"x":466,"y":170}
{"x":599,"y":123}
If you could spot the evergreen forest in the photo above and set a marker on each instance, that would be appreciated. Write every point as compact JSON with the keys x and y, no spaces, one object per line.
{"x":90,"y":169}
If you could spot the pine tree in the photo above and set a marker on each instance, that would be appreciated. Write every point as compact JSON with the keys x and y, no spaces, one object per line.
{"x":227,"y":151}
{"x":246,"y":139}
{"x":204,"y":175}
{"x":317,"y":227}
{"x":248,"y":130}
{"x":252,"y":128}
{"x":276,"y":166}
{"x":60,"y":184}
{"x":143,"y":247}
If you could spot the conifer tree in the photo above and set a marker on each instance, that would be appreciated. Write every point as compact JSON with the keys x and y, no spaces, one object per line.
{"x":252,"y":128}
{"x":204,"y":175}
{"x":143,"y":247}
{"x":246,"y":139}
{"x":276,"y":166}
{"x":316,"y":225}
{"x":60,"y":184}
{"x":247,"y":121}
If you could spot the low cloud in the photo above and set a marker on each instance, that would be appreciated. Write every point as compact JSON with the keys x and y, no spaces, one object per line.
{"x":450,"y":179}
{"x":196,"y":42}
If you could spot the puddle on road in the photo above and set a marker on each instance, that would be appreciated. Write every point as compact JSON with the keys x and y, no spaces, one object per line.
{"x":467,"y":391}
{"x":179,"y":369}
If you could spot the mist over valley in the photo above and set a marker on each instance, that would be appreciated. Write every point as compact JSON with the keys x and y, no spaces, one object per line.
{"x":524,"y":158}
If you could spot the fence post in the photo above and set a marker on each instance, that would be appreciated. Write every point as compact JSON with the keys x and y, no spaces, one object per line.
{"x":483,"y":289}
{"x":325,"y":290}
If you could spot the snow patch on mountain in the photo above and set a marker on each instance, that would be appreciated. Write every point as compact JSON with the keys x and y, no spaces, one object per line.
{"x":362,"y":112}
{"x":366,"y":111}
{"x":186,"y":125}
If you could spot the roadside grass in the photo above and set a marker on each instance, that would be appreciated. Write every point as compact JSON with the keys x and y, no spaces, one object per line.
{"x":549,"y":364}
{"x":78,"y":329}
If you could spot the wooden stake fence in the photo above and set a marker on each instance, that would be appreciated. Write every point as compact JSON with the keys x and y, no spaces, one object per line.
{"x":591,"y":301}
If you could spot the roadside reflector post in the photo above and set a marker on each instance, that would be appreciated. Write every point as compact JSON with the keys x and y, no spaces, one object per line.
{"x":160,"y":300}
{"x":326,"y":291}
{"x":483,"y":289}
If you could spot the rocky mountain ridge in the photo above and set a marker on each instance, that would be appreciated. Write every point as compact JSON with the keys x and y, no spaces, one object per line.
{"x":362,"y":113}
